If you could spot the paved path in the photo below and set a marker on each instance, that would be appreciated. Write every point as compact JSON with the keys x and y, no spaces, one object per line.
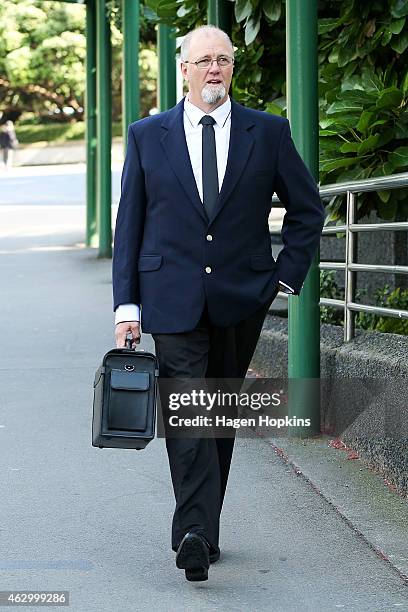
{"x":97,"y":522}
{"x":71,"y":152}
{"x":39,"y":185}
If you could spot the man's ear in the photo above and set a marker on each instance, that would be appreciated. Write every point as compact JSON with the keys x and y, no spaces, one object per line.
{"x":184,"y":69}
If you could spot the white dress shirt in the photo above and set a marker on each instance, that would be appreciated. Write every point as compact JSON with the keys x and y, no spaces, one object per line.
{"x":193,"y":130}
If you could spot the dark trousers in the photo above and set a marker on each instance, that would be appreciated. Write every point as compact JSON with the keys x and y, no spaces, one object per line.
{"x":200,"y":466}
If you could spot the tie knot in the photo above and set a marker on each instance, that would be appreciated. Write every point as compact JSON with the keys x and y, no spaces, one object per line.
{"x":207,"y":120}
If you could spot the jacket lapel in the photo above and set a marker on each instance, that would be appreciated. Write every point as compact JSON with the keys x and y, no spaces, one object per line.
{"x":240,"y":146}
{"x":174,"y":143}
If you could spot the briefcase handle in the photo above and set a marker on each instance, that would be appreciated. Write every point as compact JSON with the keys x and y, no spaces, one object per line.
{"x":129,"y":340}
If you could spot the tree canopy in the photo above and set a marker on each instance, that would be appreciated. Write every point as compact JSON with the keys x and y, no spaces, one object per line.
{"x":42,"y":54}
{"x":42,"y":59}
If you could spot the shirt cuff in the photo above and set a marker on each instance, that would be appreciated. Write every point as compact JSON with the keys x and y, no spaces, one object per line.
{"x":290,"y":290}
{"x":127,"y":312}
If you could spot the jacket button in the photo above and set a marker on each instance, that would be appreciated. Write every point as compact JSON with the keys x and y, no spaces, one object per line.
{"x":209,"y":237}
{"x":208,"y":270}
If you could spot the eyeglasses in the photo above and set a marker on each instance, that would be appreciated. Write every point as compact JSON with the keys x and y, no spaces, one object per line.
{"x":222,"y":61}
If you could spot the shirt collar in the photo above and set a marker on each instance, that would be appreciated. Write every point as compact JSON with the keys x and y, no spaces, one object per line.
{"x":220,"y":114}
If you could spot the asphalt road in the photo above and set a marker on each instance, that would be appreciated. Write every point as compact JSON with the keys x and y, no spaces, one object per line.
{"x":97,"y":522}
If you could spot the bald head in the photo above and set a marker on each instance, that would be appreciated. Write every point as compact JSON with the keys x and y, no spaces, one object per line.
{"x":204,"y":34}
{"x":208,"y":85}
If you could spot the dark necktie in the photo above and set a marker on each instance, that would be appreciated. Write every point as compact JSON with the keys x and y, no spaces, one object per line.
{"x":209,"y":167}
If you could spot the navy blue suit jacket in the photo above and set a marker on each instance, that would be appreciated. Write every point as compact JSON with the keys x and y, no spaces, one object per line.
{"x":161,"y":250}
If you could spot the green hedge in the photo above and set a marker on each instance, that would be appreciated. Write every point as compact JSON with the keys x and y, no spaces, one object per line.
{"x":56,"y":133}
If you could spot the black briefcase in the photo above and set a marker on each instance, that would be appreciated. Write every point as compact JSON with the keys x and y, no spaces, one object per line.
{"x":124,"y":404}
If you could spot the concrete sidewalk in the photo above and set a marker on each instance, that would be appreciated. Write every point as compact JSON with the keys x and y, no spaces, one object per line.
{"x":97,"y":522}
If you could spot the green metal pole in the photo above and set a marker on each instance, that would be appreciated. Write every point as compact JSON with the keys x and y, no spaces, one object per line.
{"x":219,"y":14}
{"x":90,"y":113}
{"x":167,"y":67}
{"x":130,"y":86}
{"x":104,"y":130}
{"x":304,"y":313}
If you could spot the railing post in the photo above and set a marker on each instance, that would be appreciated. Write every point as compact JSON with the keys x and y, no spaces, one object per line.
{"x":130,"y":65}
{"x":303,"y":310}
{"x":350,"y":275}
{"x":219,"y":13}
{"x":104,"y":130}
{"x":167,"y":67}
{"x":90,"y":114}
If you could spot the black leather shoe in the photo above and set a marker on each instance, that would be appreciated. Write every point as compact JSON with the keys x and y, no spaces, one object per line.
{"x":214,"y":552}
{"x":214,"y":556}
{"x":193,"y":556}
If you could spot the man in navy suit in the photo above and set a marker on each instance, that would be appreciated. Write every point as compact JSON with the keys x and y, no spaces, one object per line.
{"x":192,"y":249}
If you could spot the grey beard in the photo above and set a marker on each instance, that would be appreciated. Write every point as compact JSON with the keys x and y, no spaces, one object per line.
{"x":212,"y":93}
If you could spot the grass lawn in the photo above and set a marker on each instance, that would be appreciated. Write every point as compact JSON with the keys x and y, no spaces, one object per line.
{"x":57,"y":133}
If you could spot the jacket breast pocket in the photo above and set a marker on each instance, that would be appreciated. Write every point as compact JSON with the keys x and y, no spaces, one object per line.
{"x":262,"y":262}
{"x":148,"y":263}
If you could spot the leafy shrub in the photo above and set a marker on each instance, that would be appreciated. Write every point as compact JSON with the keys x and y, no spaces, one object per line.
{"x":398,"y":298}
{"x":363,"y":87}
{"x":384,"y":297}
{"x":330,"y":289}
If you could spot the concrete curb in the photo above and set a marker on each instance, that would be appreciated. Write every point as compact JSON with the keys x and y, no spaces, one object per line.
{"x":376,"y":514}
{"x":363,"y":391}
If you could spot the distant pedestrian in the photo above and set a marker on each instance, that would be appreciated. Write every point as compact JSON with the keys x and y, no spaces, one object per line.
{"x":8,"y":143}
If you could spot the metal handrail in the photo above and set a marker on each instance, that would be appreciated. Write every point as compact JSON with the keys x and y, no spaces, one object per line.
{"x":379,"y":183}
{"x":351,"y":228}
{"x":367,"y":227}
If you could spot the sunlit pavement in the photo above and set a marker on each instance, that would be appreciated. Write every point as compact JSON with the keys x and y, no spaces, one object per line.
{"x":41,"y":184}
